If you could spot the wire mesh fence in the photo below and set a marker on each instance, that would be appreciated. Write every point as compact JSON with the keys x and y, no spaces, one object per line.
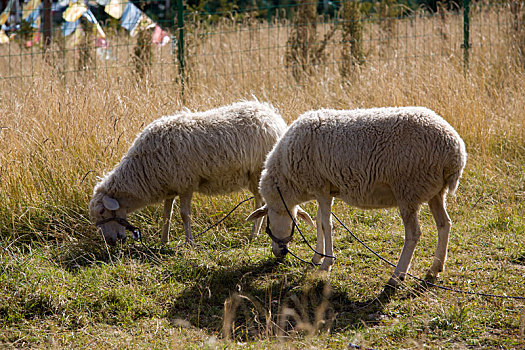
{"x":176,"y":42}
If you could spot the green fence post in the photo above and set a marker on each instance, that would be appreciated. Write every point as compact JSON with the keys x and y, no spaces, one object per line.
{"x":180,"y":30}
{"x":466,"y":33}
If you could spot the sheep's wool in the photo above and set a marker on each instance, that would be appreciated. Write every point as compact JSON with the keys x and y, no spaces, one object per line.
{"x":370,"y":158}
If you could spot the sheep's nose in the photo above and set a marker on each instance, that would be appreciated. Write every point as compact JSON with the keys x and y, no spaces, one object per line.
{"x":123,"y":237}
{"x":111,"y":241}
{"x":279,"y":251}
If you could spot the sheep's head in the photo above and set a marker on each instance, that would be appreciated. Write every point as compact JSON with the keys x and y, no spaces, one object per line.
{"x":104,"y":207}
{"x":280,"y":226}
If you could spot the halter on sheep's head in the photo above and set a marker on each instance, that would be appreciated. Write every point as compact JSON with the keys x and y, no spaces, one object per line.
{"x":282,"y":244}
{"x":106,"y":213}
{"x":280,"y":225}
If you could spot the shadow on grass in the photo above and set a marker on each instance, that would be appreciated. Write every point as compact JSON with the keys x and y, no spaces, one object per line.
{"x":91,"y":252}
{"x":257,"y":300}
{"x":244,"y":299}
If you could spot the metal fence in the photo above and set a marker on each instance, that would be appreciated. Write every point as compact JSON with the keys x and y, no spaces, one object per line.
{"x":177,"y":43}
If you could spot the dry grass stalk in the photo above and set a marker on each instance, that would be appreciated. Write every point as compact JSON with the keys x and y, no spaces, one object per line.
{"x":388,"y":11}
{"x":304,"y":51}
{"x":85,"y":48}
{"x":518,"y":11}
{"x":246,"y":318}
{"x":255,"y":320}
{"x":444,"y":16}
{"x":308,"y":313}
{"x":142,"y":56}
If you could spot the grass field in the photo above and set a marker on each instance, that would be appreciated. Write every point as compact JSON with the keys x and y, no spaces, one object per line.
{"x":61,"y":287}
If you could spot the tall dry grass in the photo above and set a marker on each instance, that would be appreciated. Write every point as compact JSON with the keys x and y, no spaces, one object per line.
{"x":62,"y":130}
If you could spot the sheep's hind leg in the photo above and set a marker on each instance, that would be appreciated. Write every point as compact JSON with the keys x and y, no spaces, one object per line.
{"x":443,"y":223}
{"x":168,"y":205}
{"x":185,"y":213}
{"x":412,"y":235}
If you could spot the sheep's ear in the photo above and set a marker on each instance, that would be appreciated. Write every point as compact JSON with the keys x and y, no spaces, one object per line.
{"x":304,"y":215}
{"x":259,"y":213}
{"x":110,"y":203}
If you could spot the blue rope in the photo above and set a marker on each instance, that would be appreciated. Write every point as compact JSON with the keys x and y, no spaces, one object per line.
{"x":298,"y":229}
{"x":218,"y":222}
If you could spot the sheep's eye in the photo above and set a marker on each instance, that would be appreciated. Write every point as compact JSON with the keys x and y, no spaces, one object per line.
{"x":101,"y":211}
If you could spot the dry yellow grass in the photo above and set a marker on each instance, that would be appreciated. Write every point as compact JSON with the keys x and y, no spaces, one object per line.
{"x":59,"y":133}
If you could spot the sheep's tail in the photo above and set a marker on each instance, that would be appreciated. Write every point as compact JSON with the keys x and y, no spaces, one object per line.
{"x":456,"y":171}
{"x":453,"y":182}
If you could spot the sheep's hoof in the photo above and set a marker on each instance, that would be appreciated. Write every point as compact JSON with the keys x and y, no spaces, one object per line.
{"x":394,"y":282}
{"x":390,"y":288}
{"x":429,"y":280}
{"x":325,"y":266}
{"x":388,"y":292}
{"x":431,"y":277}
{"x":316,"y":259}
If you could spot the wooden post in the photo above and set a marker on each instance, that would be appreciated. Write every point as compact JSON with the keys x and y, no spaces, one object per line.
{"x":47,"y":33}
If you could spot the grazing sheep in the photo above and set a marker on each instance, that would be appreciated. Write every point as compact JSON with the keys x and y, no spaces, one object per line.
{"x":214,"y":152}
{"x":370,"y":158}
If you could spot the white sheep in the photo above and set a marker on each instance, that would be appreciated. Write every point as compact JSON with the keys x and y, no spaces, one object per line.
{"x":370,"y":158}
{"x":214,"y":152}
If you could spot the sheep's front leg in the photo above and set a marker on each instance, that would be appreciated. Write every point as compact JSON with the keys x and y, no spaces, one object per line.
{"x":443,"y":223}
{"x":185,"y":213}
{"x":258,"y":222}
{"x":412,"y":235}
{"x":325,"y":205}
{"x":168,"y":205}
{"x":319,"y":246}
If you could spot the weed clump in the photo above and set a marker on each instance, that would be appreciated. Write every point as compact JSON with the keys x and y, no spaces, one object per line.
{"x":305,"y":52}
{"x":352,"y":38}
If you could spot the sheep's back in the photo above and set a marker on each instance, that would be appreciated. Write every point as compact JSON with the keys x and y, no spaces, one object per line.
{"x":211,"y":152}
{"x":410,"y":150}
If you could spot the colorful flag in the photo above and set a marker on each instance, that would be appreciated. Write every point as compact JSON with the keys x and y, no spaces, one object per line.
{"x":160,"y":37}
{"x":130,"y":17}
{"x":74,"y":11}
{"x":68,"y":27}
{"x":29,"y":7}
{"x":115,"y":8}
{"x":91,"y":17}
{"x":4,"y":39}
{"x":34,"y":18}
{"x":5,"y":14}
{"x":143,"y":23}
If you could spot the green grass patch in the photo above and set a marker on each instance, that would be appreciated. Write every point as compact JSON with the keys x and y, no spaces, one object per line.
{"x":230,"y":292}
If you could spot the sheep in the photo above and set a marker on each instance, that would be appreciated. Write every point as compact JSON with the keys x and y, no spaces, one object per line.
{"x":214,"y":152}
{"x":369,"y":158}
